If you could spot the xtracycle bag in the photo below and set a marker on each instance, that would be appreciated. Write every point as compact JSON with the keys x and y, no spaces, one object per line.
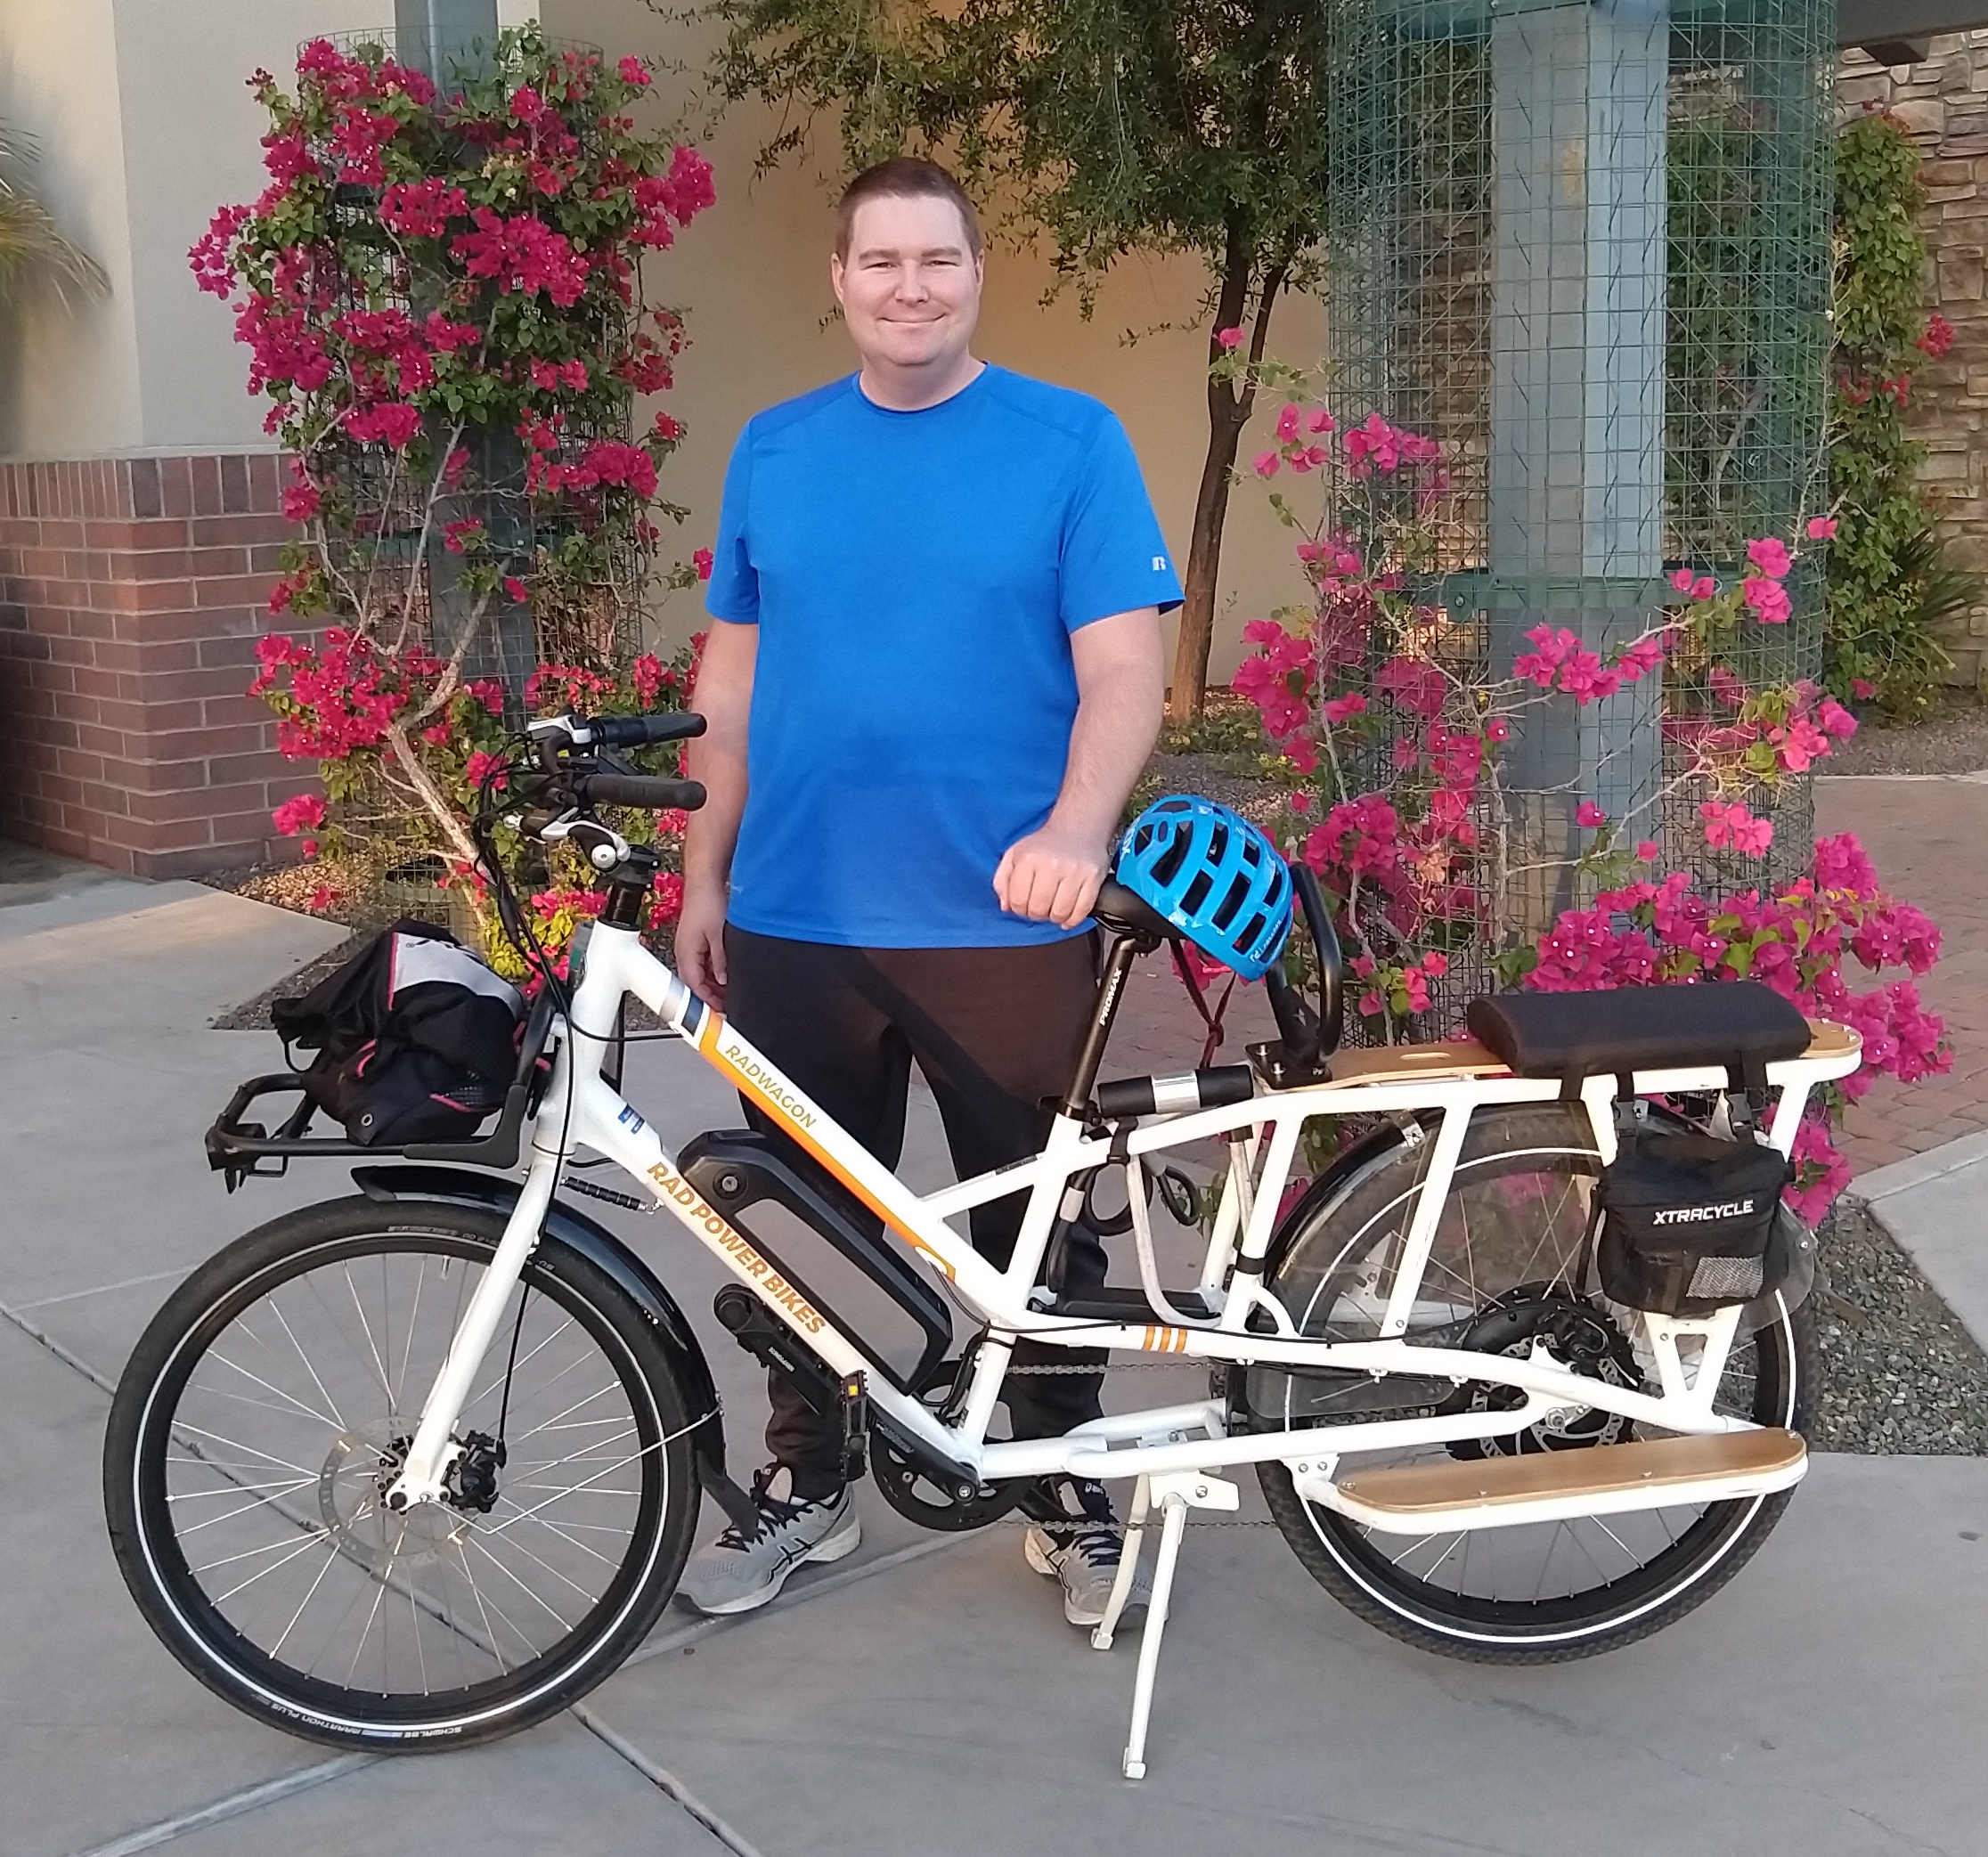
{"x":1689,"y":1222}
{"x":416,"y":1038}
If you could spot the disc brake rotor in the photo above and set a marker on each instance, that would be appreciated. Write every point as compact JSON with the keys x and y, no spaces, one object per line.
{"x":1578,"y":1336}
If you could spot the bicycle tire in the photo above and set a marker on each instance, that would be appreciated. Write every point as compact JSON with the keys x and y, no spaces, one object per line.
{"x":161,"y":1459}
{"x":1503,"y":1145}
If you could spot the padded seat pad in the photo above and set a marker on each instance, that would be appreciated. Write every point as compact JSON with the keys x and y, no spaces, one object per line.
{"x":1739,"y":1024}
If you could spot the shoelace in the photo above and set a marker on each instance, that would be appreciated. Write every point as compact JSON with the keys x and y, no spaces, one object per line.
{"x":1099,"y":1546}
{"x":776,"y":1509}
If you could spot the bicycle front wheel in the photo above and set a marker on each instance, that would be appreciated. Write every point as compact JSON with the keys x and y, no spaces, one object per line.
{"x":1507,"y":1270}
{"x":268,"y":1408}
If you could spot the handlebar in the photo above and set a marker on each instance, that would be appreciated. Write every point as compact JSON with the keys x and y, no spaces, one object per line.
{"x":646,"y":791}
{"x":643,"y":731}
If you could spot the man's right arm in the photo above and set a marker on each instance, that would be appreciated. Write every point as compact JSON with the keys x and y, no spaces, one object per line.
{"x":723,"y":697}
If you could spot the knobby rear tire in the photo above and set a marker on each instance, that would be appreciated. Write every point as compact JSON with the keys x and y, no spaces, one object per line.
{"x":583,"y":1315}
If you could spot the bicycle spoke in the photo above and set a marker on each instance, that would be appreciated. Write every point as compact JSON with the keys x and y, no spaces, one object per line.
{"x":288,"y":1441}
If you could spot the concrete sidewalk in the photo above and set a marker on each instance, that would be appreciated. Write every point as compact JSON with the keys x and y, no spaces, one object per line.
{"x":926,"y":1693}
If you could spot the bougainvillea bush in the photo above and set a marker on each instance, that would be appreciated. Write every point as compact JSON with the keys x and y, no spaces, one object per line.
{"x":1393,"y":739}
{"x":440,"y":291}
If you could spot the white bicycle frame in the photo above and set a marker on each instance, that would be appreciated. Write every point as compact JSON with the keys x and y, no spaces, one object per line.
{"x":1170,"y":1449}
{"x":1454,"y":1081}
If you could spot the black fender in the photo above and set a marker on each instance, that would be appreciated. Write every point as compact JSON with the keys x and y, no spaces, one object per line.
{"x":1339,"y":1170}
{"x":607,"y":1254}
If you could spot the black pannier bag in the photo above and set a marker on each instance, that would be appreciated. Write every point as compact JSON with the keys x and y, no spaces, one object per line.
{"x":1692,"y":1223}
{"x":417,"y":1038}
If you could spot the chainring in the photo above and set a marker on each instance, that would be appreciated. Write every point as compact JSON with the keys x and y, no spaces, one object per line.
{"x":1578,"y":1335}
{"x":924,"y":1496}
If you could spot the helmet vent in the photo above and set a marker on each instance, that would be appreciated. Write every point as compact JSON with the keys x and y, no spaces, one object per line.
{"x":1197,"y":893}
{"x":1238,"y":895}
{"x":1166,"y":868}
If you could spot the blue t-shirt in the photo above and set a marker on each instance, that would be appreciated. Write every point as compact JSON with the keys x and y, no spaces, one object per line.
{"x":914,"y":577}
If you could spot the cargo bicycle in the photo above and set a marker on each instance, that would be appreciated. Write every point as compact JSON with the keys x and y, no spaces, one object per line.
{"x":421,"y":1465}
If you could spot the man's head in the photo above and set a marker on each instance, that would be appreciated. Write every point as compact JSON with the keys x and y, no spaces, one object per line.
{"x":907,"y":267}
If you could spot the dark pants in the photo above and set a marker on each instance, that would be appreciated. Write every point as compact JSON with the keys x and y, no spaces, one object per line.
{"x":993,"y":1031}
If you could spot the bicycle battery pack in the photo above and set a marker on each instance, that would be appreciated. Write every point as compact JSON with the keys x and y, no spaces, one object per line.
{"x":832,"y":1251}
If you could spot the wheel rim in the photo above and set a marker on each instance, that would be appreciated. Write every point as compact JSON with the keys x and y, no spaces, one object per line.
{"x":270,"y":1437}
{"x":1517,"y":1217}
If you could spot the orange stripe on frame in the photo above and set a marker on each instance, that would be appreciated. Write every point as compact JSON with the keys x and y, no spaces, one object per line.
{"x":707,"y":1047}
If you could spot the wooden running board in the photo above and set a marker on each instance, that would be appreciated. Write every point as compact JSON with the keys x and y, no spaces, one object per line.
{"x":1553,"y":1485}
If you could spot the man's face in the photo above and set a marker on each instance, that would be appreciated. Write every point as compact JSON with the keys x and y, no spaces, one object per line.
{"x":910,"y":287}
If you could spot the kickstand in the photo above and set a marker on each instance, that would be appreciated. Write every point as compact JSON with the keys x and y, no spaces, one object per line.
{"x":1175,"y":1493}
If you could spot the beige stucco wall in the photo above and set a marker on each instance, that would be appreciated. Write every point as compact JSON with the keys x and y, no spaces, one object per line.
{"x":753,"y":275}
{"x":146,"y":125}
{"x":69,"y":386}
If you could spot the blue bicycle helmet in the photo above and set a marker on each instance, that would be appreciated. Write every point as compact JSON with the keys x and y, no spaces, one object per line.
{"x":1212,"y":874}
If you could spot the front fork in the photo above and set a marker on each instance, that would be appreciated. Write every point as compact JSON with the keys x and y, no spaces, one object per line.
{"x":431,"y":1457}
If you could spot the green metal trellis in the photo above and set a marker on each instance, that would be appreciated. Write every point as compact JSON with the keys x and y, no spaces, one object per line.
{"x":1584,"y":244}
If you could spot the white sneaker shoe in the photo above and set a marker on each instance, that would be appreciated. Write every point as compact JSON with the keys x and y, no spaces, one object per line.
{"x":735,"y":1574}
{"x":1084,"y":1555}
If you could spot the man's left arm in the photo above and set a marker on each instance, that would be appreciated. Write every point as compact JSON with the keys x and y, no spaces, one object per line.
{"x":1053,"y":875}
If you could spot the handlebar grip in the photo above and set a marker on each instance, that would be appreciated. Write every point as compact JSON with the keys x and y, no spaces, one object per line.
{"x":644,"y":731}
{"x":641,"y":790}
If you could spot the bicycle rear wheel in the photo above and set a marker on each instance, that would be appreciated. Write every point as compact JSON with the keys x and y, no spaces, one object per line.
{"x":1501,"y":1275}
{"x":268,"y":1408}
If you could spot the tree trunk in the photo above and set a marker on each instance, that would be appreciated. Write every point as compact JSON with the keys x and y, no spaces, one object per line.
{"x":1189,"y":692}
{"x":1229,"y":407}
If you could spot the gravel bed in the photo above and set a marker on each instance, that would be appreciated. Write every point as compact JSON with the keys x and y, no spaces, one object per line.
{"x":1899,"y":1372}
{"x":1953,"y":740}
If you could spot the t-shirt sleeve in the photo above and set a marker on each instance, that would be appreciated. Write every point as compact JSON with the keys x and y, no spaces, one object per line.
{"x":1114,"y":557}
{"x":732,"y":592}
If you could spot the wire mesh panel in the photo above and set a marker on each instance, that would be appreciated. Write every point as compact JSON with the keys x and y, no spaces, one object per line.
{"x":1585,"y":248}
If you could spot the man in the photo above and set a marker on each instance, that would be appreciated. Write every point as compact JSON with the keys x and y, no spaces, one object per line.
{"x":933,"y":675}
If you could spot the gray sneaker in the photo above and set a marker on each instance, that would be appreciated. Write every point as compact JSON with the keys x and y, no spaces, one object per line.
{"x":1084,"y":1557}
{"x":735,"y":1574}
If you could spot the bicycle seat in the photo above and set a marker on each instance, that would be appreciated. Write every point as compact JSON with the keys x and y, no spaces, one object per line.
{"x":1122,"y":913}
{"x":1740,"y":1024}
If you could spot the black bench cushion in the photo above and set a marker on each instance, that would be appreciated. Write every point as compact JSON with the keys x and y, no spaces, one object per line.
{"x":1739,"y":1024}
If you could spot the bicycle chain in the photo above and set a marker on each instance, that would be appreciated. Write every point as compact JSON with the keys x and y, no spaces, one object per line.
{"x":1119,"y":1528}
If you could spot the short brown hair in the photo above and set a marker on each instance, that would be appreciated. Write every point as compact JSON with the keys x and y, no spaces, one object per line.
{"x":904,"y":177}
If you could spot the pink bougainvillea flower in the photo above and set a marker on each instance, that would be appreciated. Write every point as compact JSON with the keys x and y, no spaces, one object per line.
{"x":1228,"y":338}
{"x":1821,"y":528}
{"x":1265,"y":464}
{"x":309,"y":847}
{"x":1769,"y":553}
{"x":1435,"y":965}
{"x":1340,"y":709}
{"x":1682,"y":580}
{"x":1321,"y":422}
{"x":389,"y":423}
{"x":1589,"y":815}
{"x":1768,"y":601}
{"x":1289,"y":422}
{"x":298,"y":815}
{"x":1497,"y":729}
{"x":1647,"y":850}
{"x":701,"y":559}
{"x":1863,"y":689}
{"x":634,"y":72}
{"x":516,"y":588}
{"x":1835,"y":719}
{"x":301,"y":499}
{"x":483,"y":765}
{"x":1938,"y":336}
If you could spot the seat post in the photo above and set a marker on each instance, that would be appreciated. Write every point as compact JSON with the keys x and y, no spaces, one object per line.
{"x":1118,"y":964}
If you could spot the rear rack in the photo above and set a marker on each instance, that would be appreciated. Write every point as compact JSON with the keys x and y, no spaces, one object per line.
{"x":237,"y":1149}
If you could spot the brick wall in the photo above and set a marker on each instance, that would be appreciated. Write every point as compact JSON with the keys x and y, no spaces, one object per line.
{"x":1944,"y":100}
{"x":131,"y":592}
